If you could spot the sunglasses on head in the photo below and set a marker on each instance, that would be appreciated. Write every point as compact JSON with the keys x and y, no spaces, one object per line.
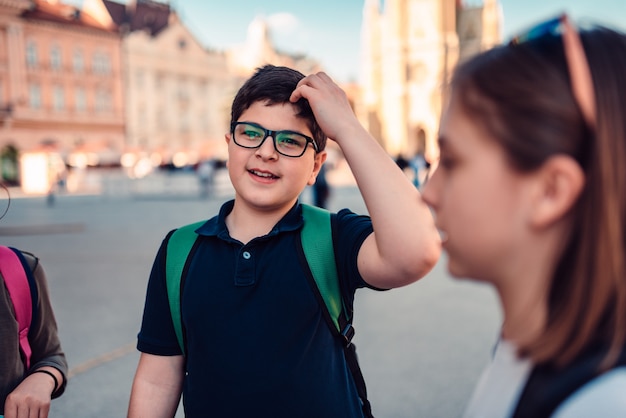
{"x":577,"y":64}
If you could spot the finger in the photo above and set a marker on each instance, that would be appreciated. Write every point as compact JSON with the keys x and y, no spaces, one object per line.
{"x":44,"y":411}
{"x":325,"y":77}
{"x":295,"y":95}
{"x":10,"y":408}
{"x":301,"y":92}
{"x":307,"y":81}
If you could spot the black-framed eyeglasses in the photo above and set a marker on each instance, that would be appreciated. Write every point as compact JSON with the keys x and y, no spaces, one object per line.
{"x":287,"y":143}
{"x":577,"y":63}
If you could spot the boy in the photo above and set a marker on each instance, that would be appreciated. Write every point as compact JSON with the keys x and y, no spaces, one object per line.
{"x":257,"y":344}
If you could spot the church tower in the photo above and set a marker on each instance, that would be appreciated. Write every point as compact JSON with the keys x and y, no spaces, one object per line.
{"x":410,"y":48}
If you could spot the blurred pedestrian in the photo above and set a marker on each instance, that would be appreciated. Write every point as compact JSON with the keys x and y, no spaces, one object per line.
{"x":419,"y":167}
{"x":206,"y":177}
{"x":321,"y":188}
{"x":530,"y":196}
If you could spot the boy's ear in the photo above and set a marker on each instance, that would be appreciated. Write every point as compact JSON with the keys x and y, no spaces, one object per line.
{"x":227,"y":137}
{"x":560,"y":182}
{"x":320,"y":157}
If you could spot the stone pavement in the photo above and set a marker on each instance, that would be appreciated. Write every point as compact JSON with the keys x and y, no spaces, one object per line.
{"x":421,"y":347}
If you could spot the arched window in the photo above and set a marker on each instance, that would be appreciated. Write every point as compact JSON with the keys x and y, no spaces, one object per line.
{"x":78,"y":61}
{"x":31,"y":54}
{"x":55,"y":58}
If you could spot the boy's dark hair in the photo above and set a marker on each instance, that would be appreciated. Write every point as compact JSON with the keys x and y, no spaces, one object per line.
{"x":274,"y":85}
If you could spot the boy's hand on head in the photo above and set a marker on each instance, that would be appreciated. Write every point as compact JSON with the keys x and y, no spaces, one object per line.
{"x":329,"y":104}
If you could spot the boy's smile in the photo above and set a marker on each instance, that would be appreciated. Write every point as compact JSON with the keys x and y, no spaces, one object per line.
{"x":263,"y":175}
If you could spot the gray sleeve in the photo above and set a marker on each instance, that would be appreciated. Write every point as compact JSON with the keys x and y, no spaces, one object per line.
{"x":43,"y":336}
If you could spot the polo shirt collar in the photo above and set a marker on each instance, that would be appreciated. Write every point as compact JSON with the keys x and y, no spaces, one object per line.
{"x":216,"y":226}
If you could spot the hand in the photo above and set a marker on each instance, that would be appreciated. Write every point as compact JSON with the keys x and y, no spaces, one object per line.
{"x":330,"y":105}
{"x":31,"y":398}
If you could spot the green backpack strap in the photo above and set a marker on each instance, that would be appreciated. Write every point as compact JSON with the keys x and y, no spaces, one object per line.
{"x":178,"y":247}
{"x":316,"y":236}
{"x":317,"y":244}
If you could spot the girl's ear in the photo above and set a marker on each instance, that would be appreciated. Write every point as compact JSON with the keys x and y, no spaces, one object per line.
{"x":320,"y":157}
{"x":560,"y":182}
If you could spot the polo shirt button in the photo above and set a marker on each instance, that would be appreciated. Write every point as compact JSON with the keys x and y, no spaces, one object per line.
{"x":246,"y":255}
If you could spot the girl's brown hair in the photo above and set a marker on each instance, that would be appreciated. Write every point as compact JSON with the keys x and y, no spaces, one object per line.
{"x":521,"y":95}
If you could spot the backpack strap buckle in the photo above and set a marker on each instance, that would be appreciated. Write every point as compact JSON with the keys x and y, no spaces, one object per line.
{"x":347,"y":334}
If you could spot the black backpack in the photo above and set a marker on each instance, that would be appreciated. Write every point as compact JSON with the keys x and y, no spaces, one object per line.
{"x":548,"y":387}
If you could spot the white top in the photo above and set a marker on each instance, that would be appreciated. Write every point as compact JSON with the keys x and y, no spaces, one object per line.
{"x":502,"y":382}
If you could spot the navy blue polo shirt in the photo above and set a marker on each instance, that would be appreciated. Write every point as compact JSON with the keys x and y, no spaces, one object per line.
{"x":257,"y":341}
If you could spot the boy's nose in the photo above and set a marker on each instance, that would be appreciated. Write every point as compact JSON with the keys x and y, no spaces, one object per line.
{"x":267,"y":149}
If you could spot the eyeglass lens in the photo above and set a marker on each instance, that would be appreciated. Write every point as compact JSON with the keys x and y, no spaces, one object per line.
{"x":289,"y":143}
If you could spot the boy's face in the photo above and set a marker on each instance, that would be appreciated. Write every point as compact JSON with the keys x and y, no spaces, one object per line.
{"x":264,"y":179}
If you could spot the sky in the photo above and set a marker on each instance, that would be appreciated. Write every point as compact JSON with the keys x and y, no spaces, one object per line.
{"x":330,"y":30}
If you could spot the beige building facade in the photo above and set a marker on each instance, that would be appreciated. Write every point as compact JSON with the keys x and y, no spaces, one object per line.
{"x":176,"y":90}
{"x":410,"y":48}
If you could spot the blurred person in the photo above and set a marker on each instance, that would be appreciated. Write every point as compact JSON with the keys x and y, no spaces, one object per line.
{"x":257,"y":340}
{"x":206,"y":177}
{"x":419,"y":166}
{"x":530,"y":197}
{"x":28,"y":382}
{"x":321,"y":188}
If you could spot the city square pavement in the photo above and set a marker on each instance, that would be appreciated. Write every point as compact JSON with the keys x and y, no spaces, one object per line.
{"x":421,"y":347}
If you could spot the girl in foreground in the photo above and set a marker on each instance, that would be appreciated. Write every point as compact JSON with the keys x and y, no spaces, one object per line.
{"x":530,"y":195}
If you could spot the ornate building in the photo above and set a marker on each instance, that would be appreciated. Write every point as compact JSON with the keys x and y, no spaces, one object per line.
{"x":178,"y":92}
{"x":60,"y":79}
{"x":93,"y":85}
{"x":410,"y":48}
{"x":175,"y":88}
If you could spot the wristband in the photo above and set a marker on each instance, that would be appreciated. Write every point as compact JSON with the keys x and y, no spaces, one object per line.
{"x":56,"y":382}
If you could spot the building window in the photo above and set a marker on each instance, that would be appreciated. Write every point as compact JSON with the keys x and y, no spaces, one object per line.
{"x":203,"y":89}
{"x":80,"y":99}
{"x":103,"y":101}
{"x":58,"y":98}
{"x":142,"y":122}
{"x":55,"y":58}
{"x":34,"y":96}
{"x":160,"y":120}
{"x":203,"y":122}
{"x":31,"y":54}
{"x":183,"y":88}
{"x":78,"y":62}
{"x":101,"y":63}
{"x":184,"y":124}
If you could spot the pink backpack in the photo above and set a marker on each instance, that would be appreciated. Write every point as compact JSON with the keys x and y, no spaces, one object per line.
{"x":19,"y":282}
